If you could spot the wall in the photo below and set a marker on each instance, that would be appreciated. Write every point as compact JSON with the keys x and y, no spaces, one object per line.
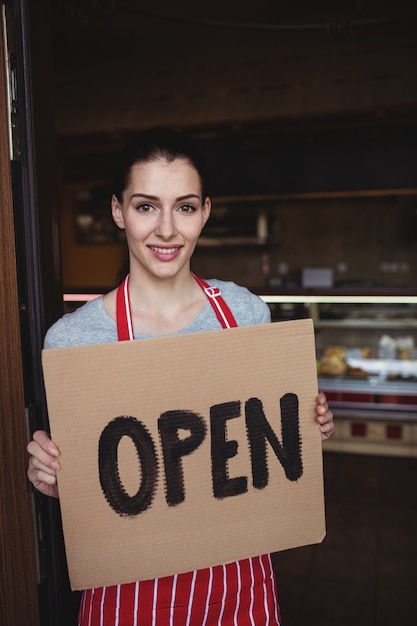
{"x":369,"y":241}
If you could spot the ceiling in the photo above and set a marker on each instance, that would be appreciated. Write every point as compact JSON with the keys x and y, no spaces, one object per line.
{"x":226,"y":13}
{"x":225,"y":66}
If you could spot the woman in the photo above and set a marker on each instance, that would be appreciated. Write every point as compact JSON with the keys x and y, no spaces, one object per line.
{"x":159,"y":199}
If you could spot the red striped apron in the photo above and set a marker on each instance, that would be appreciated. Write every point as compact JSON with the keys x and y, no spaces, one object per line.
{"x":242,"y":593}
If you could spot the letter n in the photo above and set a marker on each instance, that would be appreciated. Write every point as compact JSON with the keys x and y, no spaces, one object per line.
{"x":259,"y":431}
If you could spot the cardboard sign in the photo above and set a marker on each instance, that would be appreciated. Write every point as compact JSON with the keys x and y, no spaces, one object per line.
{"x":184,"y":452}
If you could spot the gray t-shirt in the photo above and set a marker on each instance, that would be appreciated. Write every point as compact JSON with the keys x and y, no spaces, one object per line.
{"x":91,"y":324}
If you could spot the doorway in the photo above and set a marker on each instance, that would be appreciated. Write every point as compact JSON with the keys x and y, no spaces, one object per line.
{"x":34,"y":588}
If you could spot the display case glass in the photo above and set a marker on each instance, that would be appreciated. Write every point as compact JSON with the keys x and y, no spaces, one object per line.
{"x":366,"y":349}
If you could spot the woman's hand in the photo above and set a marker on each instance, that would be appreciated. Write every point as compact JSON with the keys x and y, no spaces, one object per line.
{"x":43,"y":463}
{"x":324,"y":417}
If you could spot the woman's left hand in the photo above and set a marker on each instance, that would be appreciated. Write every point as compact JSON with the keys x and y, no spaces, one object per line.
{"x":324,"y":417}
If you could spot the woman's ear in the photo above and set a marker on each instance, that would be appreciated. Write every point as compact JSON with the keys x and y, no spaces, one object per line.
{"x":116,"y":211}
{"x":206,"y":210}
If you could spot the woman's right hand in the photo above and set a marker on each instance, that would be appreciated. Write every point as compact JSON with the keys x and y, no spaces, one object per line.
{"x":43,"y":463}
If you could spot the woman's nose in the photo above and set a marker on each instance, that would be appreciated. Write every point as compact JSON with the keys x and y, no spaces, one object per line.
{"x":166,"y":225}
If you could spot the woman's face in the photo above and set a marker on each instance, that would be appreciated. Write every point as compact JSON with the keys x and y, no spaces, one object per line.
{"x":163,"y":214}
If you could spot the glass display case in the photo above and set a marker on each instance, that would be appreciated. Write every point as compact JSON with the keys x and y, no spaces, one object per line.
{"x":367,"y":365}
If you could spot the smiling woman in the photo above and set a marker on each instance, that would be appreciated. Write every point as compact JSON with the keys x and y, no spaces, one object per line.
{"x":161,"y":202}
{"x":162,"y":212}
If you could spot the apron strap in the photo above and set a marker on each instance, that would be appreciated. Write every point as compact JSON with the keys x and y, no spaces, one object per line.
{"x":222,"y":311}
{"x":123,"y":313}
{"x":124,"y":317}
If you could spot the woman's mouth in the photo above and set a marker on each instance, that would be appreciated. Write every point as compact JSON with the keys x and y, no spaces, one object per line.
{"x":165,"y":253}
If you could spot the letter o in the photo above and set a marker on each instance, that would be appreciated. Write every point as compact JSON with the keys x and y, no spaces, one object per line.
{"x":113,"y":489}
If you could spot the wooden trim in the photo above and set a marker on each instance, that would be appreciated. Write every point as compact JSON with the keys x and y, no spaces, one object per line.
{"x":18,"y":585}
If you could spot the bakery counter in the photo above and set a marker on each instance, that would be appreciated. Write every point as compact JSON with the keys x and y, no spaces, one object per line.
{"x":371,"y":398}
{"x":373,"y":415}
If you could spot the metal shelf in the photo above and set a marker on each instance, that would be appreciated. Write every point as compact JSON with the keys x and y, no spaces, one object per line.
{"x":386,"y":324}
{"x":309,"y":298}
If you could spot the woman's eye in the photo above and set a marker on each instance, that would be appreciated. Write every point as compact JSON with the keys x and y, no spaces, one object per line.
{"x":144,"y":207}
{"x":187,"y":208}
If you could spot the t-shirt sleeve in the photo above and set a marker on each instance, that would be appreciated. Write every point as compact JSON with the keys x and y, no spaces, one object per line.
{"x":57,"y":336}
{"x":87,"y":325}
{"x":261,"y":311}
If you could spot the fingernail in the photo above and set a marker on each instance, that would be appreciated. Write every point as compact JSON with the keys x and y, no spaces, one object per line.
{"x":53,"y":449}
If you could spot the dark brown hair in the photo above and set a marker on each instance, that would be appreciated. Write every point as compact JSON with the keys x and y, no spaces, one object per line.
{"x":158,"y":143}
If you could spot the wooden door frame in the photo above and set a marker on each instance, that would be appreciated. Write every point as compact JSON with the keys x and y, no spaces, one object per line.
{"x":18,"y":579}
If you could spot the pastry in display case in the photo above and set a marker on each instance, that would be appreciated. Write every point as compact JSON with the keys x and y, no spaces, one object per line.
{"x":378,"y":340}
